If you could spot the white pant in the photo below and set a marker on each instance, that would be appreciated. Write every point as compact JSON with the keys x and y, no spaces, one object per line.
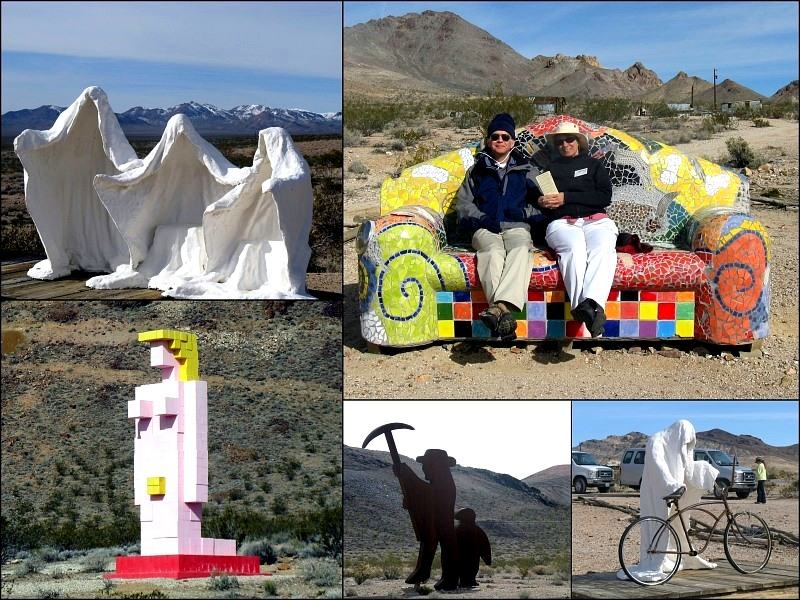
{"x":587,"y":257}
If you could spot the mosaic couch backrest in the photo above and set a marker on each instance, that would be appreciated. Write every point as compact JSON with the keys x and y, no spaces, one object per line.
{"x":656,"y":188}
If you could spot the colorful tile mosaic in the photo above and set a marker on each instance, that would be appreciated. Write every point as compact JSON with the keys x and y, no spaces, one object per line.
{"x":631,"y":314}
{"x":695,"y":210}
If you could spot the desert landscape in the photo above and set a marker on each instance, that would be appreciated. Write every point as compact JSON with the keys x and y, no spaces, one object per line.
{"x":274,"y":438}
{"x":402,"y":109}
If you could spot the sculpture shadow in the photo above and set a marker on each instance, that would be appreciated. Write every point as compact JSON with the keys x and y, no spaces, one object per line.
{"x":549,"y":353}
{"x":470,"y":353}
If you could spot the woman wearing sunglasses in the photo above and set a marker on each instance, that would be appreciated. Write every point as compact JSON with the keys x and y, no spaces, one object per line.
{"x":495,"y":206}
{"x":579,"y":230}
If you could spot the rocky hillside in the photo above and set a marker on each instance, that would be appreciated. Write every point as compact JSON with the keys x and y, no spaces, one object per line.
{"x":745,"y":447}
{"x":786,"y":93}
{"x":274,"y":405}
{"x":553,"y":482}
{"x":431,"y":51}
{"x":678,"y":89}
{"x":440,"y":53}
{"x":728,"y":91}
{"x":515,"y":516}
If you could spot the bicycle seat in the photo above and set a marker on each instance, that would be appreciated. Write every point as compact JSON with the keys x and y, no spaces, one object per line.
{"x":676,"y":494}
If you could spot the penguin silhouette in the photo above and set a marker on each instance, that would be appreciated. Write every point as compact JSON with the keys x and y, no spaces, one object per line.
{"x":473,"y":544}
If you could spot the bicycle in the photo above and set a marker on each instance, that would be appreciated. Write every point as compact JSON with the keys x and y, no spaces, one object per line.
{"x":746,"y":537}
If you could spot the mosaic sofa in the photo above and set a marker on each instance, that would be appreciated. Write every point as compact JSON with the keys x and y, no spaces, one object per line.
{"x":707,"y":277}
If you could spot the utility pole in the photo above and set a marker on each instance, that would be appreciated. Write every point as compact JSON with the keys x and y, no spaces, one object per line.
{"x":715,"y":90}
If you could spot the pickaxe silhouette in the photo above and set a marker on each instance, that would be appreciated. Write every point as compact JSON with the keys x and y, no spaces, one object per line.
{"x":387,"y":431}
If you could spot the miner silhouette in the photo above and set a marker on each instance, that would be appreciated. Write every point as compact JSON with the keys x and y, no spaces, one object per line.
{"x":473,"y":544}
{"x":431,"y":505}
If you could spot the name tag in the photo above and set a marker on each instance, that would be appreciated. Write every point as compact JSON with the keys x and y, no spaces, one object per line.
{"x":580,"y":172}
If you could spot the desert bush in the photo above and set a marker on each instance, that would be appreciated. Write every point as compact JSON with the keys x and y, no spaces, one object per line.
{"x":223,"y":582}
{"x":392,"y":567}
{"x":321,"y":572}
{"x":659,"y":110}
{"x":358,"y":168}
{"x":261,"y":548}
{"x":33,"y":564}
{"x":47,"y":593}
{"x":761,"y":123}
{"x":369,"y":116}
{"x":780,"y":110}
{"x":62,"y":313}
{"x":352,"y":137}
{"x":95,"y":563}
{"x":270,"y":589}
{"x":48,"y":554}
{"x":741,"y":155}
{"x":605,"y":110}
{"x":420,"y":154}
{"x":396,"y":145}
{"x":361,"y":572}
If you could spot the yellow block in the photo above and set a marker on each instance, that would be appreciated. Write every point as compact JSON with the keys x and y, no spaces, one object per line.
{"x":183,"y":346}
{"x":684,"y":328}
{"x":156,"y":486}
{"x":648,"y":311}
{"x":446,"y":329}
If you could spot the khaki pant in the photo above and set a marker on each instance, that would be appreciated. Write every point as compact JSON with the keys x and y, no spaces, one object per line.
{"x":504,"y":264}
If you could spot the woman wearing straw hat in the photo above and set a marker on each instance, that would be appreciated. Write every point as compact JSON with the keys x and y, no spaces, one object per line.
{"x":579,"y":230}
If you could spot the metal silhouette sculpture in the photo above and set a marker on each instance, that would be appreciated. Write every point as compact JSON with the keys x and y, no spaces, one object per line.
{"x":431,"y":507}
{"x":473,"y":545}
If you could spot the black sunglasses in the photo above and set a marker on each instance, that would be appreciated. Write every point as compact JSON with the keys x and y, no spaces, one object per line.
{"x":499,"y":136}
{"x":569,"y":139}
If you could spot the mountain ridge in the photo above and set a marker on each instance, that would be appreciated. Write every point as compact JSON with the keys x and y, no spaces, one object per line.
{"x":206,"y":118}
{"x":435,"y":52}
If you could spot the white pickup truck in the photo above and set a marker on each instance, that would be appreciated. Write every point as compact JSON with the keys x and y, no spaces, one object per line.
{"x":744,"y":479}
{"x":587,"y":472}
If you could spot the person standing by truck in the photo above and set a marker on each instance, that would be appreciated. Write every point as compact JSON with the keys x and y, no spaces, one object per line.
{"x":761,"y":479}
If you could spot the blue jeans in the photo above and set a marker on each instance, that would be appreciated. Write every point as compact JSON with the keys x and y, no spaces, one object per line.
{"x":762,"y":495}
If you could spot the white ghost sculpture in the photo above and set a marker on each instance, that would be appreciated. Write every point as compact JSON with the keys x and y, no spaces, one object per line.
{"x":669,"y":464}
{"x":59,"y":166}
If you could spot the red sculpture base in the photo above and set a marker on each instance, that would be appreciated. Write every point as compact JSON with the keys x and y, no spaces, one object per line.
{"x":183,"y":566}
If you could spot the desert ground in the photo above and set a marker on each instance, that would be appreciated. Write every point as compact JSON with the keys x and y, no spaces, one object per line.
{"x":496,"y":585}
{"x":606,"y":369}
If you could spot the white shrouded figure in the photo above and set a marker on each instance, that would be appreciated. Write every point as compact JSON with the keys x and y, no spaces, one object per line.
{"x":669,"y":464}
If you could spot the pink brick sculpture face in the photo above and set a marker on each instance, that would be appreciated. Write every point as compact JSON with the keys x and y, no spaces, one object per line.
{"x":171,"y":441}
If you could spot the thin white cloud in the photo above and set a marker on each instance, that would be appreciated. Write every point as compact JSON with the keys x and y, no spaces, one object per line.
{"x":302,"y":38}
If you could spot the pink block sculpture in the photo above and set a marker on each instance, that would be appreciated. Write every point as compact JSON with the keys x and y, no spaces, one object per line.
{"x":170,"y":468}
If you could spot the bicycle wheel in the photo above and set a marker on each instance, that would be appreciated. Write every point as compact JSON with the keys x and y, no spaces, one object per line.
{"x":747,"y":542}
{"x":661,"y":541}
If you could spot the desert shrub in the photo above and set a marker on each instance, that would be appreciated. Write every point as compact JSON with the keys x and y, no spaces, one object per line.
{"x":420,"y":154}
{"x":761,"y":123}
{"x":95,"y":563}
{"x":321,"y":572}
{"x":358,"y":168}
{"x":48,"y":593}
{"x":57,"y":573}
{"x":780,"y":110}
{"x":370,"y":116}
{"x":361,"y":572}
{"x":270,"y":588}
{"x":223,"y":582}
{"x":392,"y":567}
{"x":659,"y":110}
{"x":352,"y":137}
{"x":62,"y":313}
{"x":396,"y":145}
{"x":261,"y":548}
{"x":605,"y":110}
{"x":33,"y":564}
{"x":48,"y":554}
{"x":741,"y":155}
{"x":279,"y":506}
{"x":155,"y":594}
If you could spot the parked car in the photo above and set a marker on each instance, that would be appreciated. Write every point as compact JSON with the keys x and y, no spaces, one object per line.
{"x":744,"y":479}
{"x":588,"y":472}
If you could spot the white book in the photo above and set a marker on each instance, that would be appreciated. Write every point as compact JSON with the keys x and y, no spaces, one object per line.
{"x":546,"y":183}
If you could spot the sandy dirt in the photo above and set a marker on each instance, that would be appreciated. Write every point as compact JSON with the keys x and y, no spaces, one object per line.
{"x":606,"y":369}
{"x":498,"y":585}
{"x":596,"y":531}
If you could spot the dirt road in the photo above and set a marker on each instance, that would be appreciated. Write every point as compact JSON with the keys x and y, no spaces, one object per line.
{"x":532,"y":370}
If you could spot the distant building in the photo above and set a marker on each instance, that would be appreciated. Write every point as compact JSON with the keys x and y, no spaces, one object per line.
{"x":732,"y":106}
{"x":548,"y":105}
{"x":681,"y":107}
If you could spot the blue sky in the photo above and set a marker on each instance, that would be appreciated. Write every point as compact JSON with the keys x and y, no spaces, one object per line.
{"x":753,"y":43}
{"x":775,"y":422}
{"x":158,"y":54}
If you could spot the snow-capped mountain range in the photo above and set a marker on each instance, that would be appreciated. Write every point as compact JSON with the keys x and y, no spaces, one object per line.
{"x":206,"y":118}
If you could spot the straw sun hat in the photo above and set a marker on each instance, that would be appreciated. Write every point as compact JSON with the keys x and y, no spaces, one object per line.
{"x":567,"y":128}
